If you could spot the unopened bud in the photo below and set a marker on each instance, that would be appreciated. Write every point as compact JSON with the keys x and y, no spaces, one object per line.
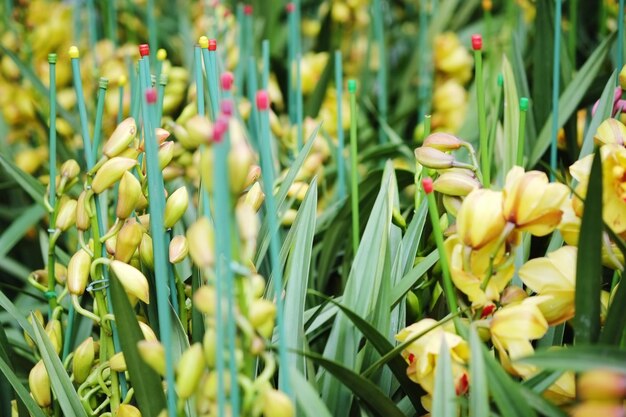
{"x":397,"y":218}
{"x":127,"y":410}
{"x":433,"y":158}
{"x":122,"y":136}
{"x":110,"y":172}
{"x":147,"y":332}
{"x":146,"y":252}
{"x":133,"y":281}
{"x":298,"y":190}
{"x":199,"y":130}
{"x":455,"y":183}
{"x":249,"y":225}
{"x":201,"y":240}
{"x":83,"y":360}
{"x":70,"y":169}
{"x":118,"y":362}
{"x":257,"y":285}
{"x":67,"y":215}
{"x":153,"y":353}
{"x":601,"y":385}
{"x":443,"y":142}
{"x":240,"y":159}
{"x":204,"y":300}
{"x":110,"y":245}
{"x":39,"y":317}
{"x":39,"y":384}
{"x":254,"y":173}
{"x":189,"y":370}
{"x":129,"y":194}
{"x":277,"y":404}
{"x":83,"y":219}
{"x":598,"y":408}
{"x":452,"y":204}
{"x":175,"y":207}
{"x":208,"y":344}
{"x":178,"y":249}
{"x":622,"y":78}
{"x":128,"y":239}
{"x":55,"y":334}
{"x":255,"y":196}
{"x":289,"y":217}
{"x":512,"y":294}
{"x":166,"y":153}
{"x":78,"y":272}
{"x":261,"y":316}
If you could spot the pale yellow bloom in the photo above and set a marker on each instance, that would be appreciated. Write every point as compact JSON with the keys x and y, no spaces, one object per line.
{"x":480,"y":219}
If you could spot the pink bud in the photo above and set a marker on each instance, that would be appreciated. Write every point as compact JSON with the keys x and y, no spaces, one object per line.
{"x":477,"y":42}
{"x":262,"y":100}
{"x":219,"y":128}
{"x":290,"y":7}
{"x":247,"y":9}
{"x":212,"y":44}
{"x":151,"y":96}
{"x":427,"y":184}
{"x":227,"y":80}
{"x":144,"y":49}
{"x":227,"y":107}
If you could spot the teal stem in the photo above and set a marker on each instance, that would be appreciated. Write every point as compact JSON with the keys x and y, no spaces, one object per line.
{"x":152,"y":29}
{"x":97,"y":130}
{"x":213,"y":77}
{"x":242,"y":63}
{"x":341,"y":164}
{"x":157,"y":204}
{"x":277,"y":273}
{"x":427,"y":119}
{"x":620,"y":36}
{"x":354,"y":173}
{"x":197,"y":64}
{"x":291,"y":57}
{"x":112,"y":21}
{"x":120,"y":104}
{"x":523,"y":107}
{"x":379,"y":33}
{"x":135,"y":91}
{"x":82,"y":111}
{"x":52,"y":142}
{"x":423,"y":91}
{"x":93,"y":30}
{"x":253,"y":120}
{"x":265,"y":50}
{"x":495,"y":116}
{"x":485,"y":162}
{"x":299,"y":103}
{"x":556,"y":74}
{"x":161,"y":96}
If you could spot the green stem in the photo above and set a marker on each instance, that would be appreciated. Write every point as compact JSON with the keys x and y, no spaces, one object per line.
{"x":112,"y":21}
{"x":299,"y":102}
{"x":620,"y":36}
{"x":265,"y":51}
{"x":495,"y":117}
{"x":379,"y":33}
{"x":161,"y":95}
{"x":52,"y":302}
{"x":482,"y":120}
{"x":82,"y":111}
{"x":242,"y":62}
{"x":253,"y":120}
{"x":556,"y":73}
{"x":197,"y":64}
{"x":354,"y":175}
{"x":97,"y":130}
{"x":341,"y":168}
{"x":120,"y":104}
{"x":523,"y":107}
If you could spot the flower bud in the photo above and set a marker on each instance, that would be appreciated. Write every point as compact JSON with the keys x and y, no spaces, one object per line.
{"x":199,"y":130}
{"x":110,"y":172}
{"x":433,"y":158}
{"x":455,"y":183}
{"x":206,"y":168}
{"x":601,"y":385}
{"x":254,"y":173}
{"x":83,"y":360}
{"x":201,"y":241}
{"x":611,"y":131}
{"x":127,"y":410}
{"x":175,"y":207}
{"x":622,"y":78}
{"x":39,"y":317}
{"x":189,"y":370}
{"x":178,"y":249}
{"x":443,"y":142}
{"x":452,"y":204}
{"x":117,"y":362}
{"x":255,"y":197}
{"x":298,"y":190}
{"x":261,"y":316}
{"x":240,"y":159}
{"x":110,"y":245}
{"x":146,"y":253}
{"x":480,"y":219}
{"x":249,"y":225}
{"x":39,"y":384}
{"x":129,"y":194}
{"x":208,"y":343}
{"x":83,"y":219}
{"x":147,"y":331}
{"x":67,"y":215}
{"x":288,"y":217}
{"x":153,"y":353}
{"x":204,"y":300}
{"x":598,"y":408}
{"x":55,"y":334}
{"x":128,"y":238}
{"x":512,"y":294}
{"x":166,"y":153}
{"x":122,"y":136}
{"x":257,"y":285}
{"x":78,"y":272}
{"x":70,"y":169}
{"x":277,"y":404}
{"x":133,"y":281}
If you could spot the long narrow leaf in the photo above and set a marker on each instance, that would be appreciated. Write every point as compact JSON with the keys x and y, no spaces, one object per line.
{"x":18,"y":228}
{"x":479,"y":394}
{"x":444,"y":399}
{"x":22,"y":392}
{"x":307,"y":397}
{"x":30,"y":185}
{"x":603,"y":112}
{"x":579,"y":358}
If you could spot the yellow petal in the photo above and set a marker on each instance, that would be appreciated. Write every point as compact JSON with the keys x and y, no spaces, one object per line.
{"x":521,"y":321}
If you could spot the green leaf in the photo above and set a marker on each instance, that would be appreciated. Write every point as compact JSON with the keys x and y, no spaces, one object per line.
{"x":571,"y":97}
{"x":603,"y":112}
{"x":589,"y":260}
{"x":579,"y":358}
{"x":410,"y":278}
{"x":22,"y":392}
{"x":539,"y":403}
{"x":18,"y":228}
{"x":10,"y":308}
{"x":511,"y":120}
{"x":479,"y":394}
{"x":28,"y":183}
{"x":145,"y":381}
{"x":444,"y":400}
{"x":297,"y":274}
{"x":59,"y":379}
{"x":308,"y":399}
{"x":365,"y":390}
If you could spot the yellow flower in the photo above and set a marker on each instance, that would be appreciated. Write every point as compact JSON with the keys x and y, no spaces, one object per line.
{"x":422,"y":354}
{"x":554,"y":276}
{"x":531,"y":202}
{"x":480,"y":219}
{"x":512,"y":329}
{"x":469,"y":269}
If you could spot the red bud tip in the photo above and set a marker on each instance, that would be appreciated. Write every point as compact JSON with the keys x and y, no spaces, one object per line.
{"x":262,"y":100}
{"x":227,"y":80}
{"x":427,"y":184}
{"x":487,"y":310}
{"x":151,"y":96}
{"x":290,"y":7}
{"x":219,"y":128}
{"x":477,"y":42}
{"x":212,"y":44}
{"x":226,"y":108}
{"x":144,"y":49}
{"x":247,"y":9}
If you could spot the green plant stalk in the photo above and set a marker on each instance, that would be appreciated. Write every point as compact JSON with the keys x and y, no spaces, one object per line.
{"x":423,"y":90}
{"x":485,"y":163}
{"x":240,"y":70}
{"x":419,"y":169}
{"x":82,"y":111}
{"x":253,"y":121}
{"x":8,"y":11}
{"x":223,"y":225}
{"x":299,"y":102}
{"x":341,"y":168}
{"x":556,"y":74}
{"x":277,"y":273}
{"x":161,"y":96}
{"x":496,"y":116}
{"x":448,"y":287}
{"x":523,"y":106}
{"x":379,"y":33}
{"x":573,"y":30}
{"x":354,"y":175}
{"x":620,"y":36}
{"x":265,"y":50}
{"x":152,"y":29}
{"x":213,"y":77}
{"x":52,"y":200}
{"x":135,"y":100}
{"x":97,"y":130}
{"x":112,"y":22}
{"x":120,"y":104}
{"x":156,"y":207}
{"x":291,"y":57}
{"x":197,"y":64}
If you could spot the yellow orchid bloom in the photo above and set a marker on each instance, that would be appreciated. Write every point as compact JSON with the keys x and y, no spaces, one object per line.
{"x":531,"y":202}
{"x":422,"y":354}
{"x":480,"y":219}
{"x":554,"y":276}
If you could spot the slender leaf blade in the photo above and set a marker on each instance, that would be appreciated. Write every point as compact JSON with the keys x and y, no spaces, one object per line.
{"x":444,"y":400}
{"x":579,"y":358}
{"x":479,"y":394}
{"x":22,"y":392}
